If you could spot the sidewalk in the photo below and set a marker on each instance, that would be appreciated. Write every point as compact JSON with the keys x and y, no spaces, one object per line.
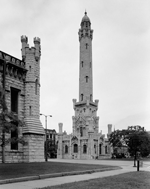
{"x":68,"y":179}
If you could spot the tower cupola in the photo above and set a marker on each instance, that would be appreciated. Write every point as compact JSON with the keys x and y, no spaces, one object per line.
{"x":85,"y":30}
{"x":85,"y":19}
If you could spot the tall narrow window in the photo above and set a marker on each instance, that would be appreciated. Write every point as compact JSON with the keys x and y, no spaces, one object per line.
{"x":90,"y":65}
{"x":105,"y":149}
{"x":86,"y":45}
{"x":30,"y":110}
{"x":95,"y":148}
{"x":30,"y":68}
{"x":66,"y":149}
{"x":91,"y":97}
{"x":81,"y":131}
{"x":36,"y":86}
{"x":14,"y":137}
{"x":81,"y":97}
{"x":84,"y":149}
{"x":82,"y":64}
{"x":87,"y":78}
{"x":75,"y":148}
{"x":14,"y":100}
{"x":100,"y":149}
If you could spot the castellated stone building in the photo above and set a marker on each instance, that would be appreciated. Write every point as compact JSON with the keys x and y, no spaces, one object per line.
{"x":85,"y":142}
{"x":22,"y":93}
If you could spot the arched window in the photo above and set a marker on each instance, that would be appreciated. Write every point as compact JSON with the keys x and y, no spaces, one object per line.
{"x":66,"y":149}
{"x":75,"y":148}
{"x":36,"y":86}
{"x":81,"y":97}
{"x":82,"y":64}
{"x":87,"y":78}
{"x":84,"y":149}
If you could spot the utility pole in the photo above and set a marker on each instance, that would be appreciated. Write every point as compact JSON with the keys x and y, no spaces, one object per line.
{"x":46,"y":134}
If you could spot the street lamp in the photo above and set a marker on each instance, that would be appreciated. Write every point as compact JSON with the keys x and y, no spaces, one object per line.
{"x":46,"y":134}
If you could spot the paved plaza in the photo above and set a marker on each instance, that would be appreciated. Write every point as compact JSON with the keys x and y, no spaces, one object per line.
{"x":127,"y":166}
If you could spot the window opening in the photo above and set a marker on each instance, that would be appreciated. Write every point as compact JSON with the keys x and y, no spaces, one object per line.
{"x":14,"y":100}
{"x":30,"y":110}
{"x":75,"y":148}
{"x":36,"y":86}
{"x":90,"y":65}
{"x":91,"y":97}
{"x":81,"y":97}
{"x":30,"y":68}
{"x":14,"y":137}
{"x":84,"y":149}
{"x":81,"y":131}
{"x":87,"y":79}
{"x":95,"y":148}
{"x":66,"y":149}
{"x":82,"y":64}
{"x":100,"y":149}
{"x":105,"y":149}
{"x":86,"y":45}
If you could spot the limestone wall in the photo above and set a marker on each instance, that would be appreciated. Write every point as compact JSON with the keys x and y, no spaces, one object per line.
{"x":34,"y":150}
{"x":13,"y":156}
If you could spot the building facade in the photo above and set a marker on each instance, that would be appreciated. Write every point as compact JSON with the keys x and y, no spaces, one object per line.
{"x":85,"y":142}
{"x":22,"y":94}
{"x":51,"y":143}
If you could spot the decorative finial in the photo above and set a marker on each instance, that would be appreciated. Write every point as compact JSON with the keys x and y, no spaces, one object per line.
{"x":85,"y":12}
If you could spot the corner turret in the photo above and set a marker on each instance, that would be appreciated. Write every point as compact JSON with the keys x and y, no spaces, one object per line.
{"x":37,"y":46}
{"x":24,"y":41}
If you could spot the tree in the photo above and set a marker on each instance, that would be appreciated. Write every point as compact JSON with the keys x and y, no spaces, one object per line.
{"x":8,"y":122}
{"x":135,"y":137}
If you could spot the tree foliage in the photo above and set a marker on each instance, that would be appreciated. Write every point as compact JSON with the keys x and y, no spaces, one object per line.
{"x":8,"y":122}
{"x":135,"y":138}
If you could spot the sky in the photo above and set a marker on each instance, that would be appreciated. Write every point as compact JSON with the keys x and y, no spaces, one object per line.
{"x":120,"y":53}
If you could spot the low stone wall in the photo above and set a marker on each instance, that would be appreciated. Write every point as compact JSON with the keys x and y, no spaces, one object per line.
{"x":12,"y":156}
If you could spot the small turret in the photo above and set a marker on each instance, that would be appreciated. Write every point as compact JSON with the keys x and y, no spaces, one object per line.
{"x":60,"y":128}
{"x":37,"y":48}
{"x":24,"y":41}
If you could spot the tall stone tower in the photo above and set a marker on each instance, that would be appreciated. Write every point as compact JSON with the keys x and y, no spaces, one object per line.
{"x":85,"y":120}
{"x":33,"y":130}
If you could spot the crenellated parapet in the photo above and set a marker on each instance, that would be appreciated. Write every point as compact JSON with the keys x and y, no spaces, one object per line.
{"x":36,"y":50}
{"x":15,"y":68}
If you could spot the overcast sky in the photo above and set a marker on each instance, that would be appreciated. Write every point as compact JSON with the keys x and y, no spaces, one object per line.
{"x":121,"y":55}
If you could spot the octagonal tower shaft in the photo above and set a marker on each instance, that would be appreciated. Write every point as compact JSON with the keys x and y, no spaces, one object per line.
{"x":85,"y":64}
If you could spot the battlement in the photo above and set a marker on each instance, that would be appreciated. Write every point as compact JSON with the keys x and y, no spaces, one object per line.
{"x":36,"y":50}
{"x":37,"y":40}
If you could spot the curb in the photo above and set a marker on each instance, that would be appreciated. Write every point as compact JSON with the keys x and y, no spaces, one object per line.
{"x":37,"y":177}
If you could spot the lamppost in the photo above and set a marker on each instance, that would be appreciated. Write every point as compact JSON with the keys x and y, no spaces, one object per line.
{"x":46,"y":134}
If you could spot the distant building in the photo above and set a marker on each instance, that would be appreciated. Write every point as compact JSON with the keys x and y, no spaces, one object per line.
{"x":85,"y":142}
{"x":51,"y":142}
